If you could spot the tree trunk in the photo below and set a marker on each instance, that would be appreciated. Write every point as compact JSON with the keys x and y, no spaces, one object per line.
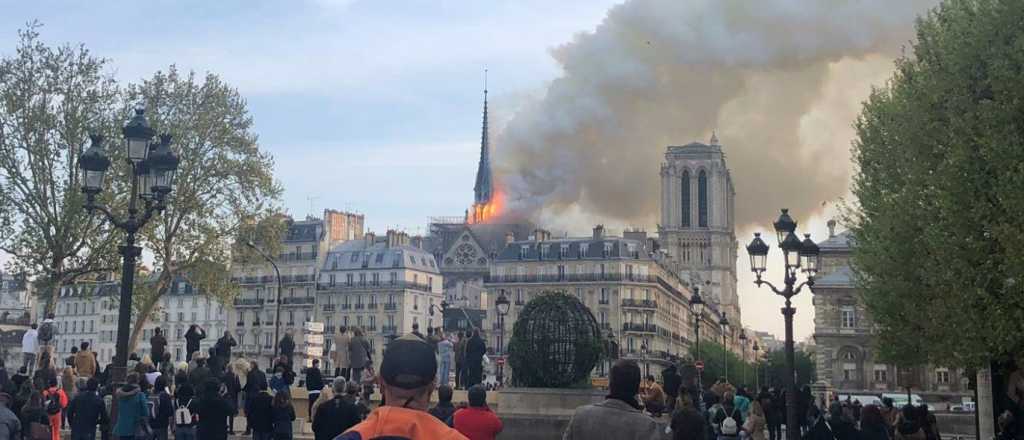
{"x":56,"y":279}
{"x":142,"y":317}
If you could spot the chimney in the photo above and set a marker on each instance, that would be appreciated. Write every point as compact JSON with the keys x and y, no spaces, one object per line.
{"x":831,"y":228}
{"x":541,"y":235}
{"x":636,"y":234}
{"x":510,"y":237}
{"x":599,"y":232}
{"x":369,"y":238}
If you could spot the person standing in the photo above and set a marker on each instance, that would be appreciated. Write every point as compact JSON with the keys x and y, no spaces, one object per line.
{"x":255,"y":383}
{"x":287,"y":347}
{"x":416,"y":331}
{"x":56,"y":400}
{"x":197,"y":377}
{"x":407,"y":375}
{"x":283,"y":416}
{"x":10,"y":426}
{"x":477,"y":422}
{"x":260,"y":412}
{"x":29,"y":348}
{"x":314,"y":383}
{"x":223,"y":347}
{"x":756,"y":422}
{"x":619,"y":415}
{"x":186,"y":411}
{"x":194,"y":334}
{"x":157,"y":347}
{"x":164,"y":410}
{"x":33,"y":418}
{"x":475,"y":351}
{"x":131,"y":408}
{"x":335,"y":416}
{"x":213,"y":411}
{"x":444,"y":408}
{"x":85,"y":361}
{"x":341,"y":364}
{"x":444,"y":354}
{"x":232,"y":386}
{"x":47,"y":331}
{"x":358,"y":353}
{"x":672,"y":380}
{"x":460,"y":360}
{"x":872,"y":424}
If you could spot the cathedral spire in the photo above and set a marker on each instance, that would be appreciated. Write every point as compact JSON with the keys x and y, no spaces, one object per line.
{"x":482,"y":191}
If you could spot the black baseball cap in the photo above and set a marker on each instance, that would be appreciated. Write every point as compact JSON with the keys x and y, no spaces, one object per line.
{"x":408,"y":363}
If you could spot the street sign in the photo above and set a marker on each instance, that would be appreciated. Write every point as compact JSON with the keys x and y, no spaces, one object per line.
{"x":501,"y":361}
{"x":314,"y":339}
{"x":699,"y":365}
{"x":314,"y":350}
{"x":314,"y":327}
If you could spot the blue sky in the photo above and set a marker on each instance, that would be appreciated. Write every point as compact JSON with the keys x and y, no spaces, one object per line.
{"x":367,"y":105}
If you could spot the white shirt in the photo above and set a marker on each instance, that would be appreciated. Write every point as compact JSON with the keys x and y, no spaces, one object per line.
{"x":29,"y":342}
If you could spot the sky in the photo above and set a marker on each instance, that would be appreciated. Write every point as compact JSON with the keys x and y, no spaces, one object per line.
{"x":375,"y":106}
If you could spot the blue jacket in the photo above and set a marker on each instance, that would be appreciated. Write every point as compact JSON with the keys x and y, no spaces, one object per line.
{"x":131,"y":406}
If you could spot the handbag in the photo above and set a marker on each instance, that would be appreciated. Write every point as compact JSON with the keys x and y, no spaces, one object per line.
{"x":39,"y":431}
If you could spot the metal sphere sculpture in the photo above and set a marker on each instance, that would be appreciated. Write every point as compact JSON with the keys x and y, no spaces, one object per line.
{"x":555,"y":343}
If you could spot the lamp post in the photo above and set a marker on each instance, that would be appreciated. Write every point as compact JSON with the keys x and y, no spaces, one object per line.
{"x":697,"y":310}
{"x":757,"y":370}
{"x":280,"y":287}
{"x":501,"y":304}
{"x":153,"y":166}
{"x":723,"y":321}
{"x":743,"y":356}
{"x":643,"y":357}
{"x":797,"y":254}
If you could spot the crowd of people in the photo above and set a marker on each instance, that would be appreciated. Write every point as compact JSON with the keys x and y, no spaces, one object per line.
{"x":725,"y":412}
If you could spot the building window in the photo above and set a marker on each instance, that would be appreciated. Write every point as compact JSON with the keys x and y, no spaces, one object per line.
{"x":332,"y":279}
{"x":348,"y":280}
{"x":607,"y":250}
{"x":604,"y":295}
{"x":584,"y":247}
{"x":942,"y":376}
{"x":849,"y":371}
{"x":848,"y":318}
{"x":563,"y":250}
{"x":881,"y":374}
{"x":544,"y":249}
{"x":686,"y":200}
{"x":522,"y":251}
{"x":561,"y":272}
{"x":702,"y":199}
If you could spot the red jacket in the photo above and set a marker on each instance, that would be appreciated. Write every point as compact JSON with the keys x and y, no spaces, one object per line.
{"x":477,"y":423}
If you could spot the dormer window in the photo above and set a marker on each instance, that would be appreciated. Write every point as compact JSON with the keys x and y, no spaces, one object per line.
{"x":544,"y":249}
{"x":584,"y":247}
{"x":523,"y":250}
{"x":563,"y":250}
{"x":607,"y":250}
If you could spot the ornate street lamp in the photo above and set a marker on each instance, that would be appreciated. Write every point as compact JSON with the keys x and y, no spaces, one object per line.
{"x":796,"y":254}
{"x":152,"y":180}
{"x":697,"y":310}
{"x":743,"y":351}
{"x":501,"y":304}
{"x":723,"y":322}
{"x":757,"y":370}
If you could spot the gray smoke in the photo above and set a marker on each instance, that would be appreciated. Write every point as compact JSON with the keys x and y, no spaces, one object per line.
{"x":764,"y":74}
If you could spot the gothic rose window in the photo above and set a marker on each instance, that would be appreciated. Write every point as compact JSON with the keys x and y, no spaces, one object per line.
{"x":465,"y":254}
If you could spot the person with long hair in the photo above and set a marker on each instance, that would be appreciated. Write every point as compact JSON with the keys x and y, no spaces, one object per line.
{"x":284,"y":415}
{"x":326,"y":394}
{"x":35,"y":425}
{"x":213,"y":412}
{"x":756,"y":421}
{"x":872,"y":424}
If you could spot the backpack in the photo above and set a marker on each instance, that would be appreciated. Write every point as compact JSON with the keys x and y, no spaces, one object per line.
{"x":728,"y":426}
{"x":153,"y":406}
{"x":184,"y":417}
{"x":46,"y":332}
{"x":53,"y":403}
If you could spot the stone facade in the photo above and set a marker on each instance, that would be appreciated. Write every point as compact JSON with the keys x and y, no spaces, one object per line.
{"x":631,"y":292}
{"x":697,"y":226}
{"x":843,"y":335}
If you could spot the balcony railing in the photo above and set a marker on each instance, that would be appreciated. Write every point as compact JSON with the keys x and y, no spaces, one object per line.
{"x":371,"y":328}
{"x":389,"y":330}
{"x":346,"y":306}
{"x":296,"y":256}
{"x":298,"y":301}
{"x":371,"y":306}
{"x":328,"y":307}
{"x":359,"y":307}
{"x":390,"y":306}
{"x":328,"y":329}
{"x":640,"y":328}
{"x":248,"y":302}
{"x":240,"y":324}
{"x":571,"y":278}
{"x":603,"y":301}
{"x":639,"y":303}
{"x":369,"y":285}
{"x":255,"y":323}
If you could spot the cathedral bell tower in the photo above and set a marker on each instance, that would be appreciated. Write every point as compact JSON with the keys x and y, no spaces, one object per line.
{"x":697,"y":225}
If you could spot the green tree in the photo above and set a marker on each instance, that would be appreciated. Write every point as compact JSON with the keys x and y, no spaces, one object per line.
{"x":224,"y":186}
{"x":714,"y":356}
{"x":939,"y":225}
{"x":50,"y":99}
{"x":773,"y":369}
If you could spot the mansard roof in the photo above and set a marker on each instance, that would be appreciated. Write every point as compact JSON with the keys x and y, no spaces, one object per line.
{"x":593,"y":249}
{"x":841,"y":278}
{"x":842,"y":241}
{"x":360,"y":254}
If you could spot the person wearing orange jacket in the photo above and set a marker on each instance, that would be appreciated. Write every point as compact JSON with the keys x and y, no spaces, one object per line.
{"x":54,"y":402}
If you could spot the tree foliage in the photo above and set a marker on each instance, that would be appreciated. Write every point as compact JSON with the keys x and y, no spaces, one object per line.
{"x":773,"y":368}
{"x":738,"y":371}
{"x":224,"y":185}
{"x":51,"y":98}
{"x":939,"y":156}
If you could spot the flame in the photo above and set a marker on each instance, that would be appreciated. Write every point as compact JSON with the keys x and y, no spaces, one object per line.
{"x":490,"y":211}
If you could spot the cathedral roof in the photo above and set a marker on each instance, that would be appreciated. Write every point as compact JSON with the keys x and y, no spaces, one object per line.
{"x":841,"y":277}
{"x":839,"y":242}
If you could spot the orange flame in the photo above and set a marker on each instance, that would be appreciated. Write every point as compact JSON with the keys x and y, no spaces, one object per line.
{"x":490,"y":211}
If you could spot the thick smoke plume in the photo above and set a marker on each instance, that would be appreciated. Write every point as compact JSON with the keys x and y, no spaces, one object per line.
{"x":771,"y":76}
